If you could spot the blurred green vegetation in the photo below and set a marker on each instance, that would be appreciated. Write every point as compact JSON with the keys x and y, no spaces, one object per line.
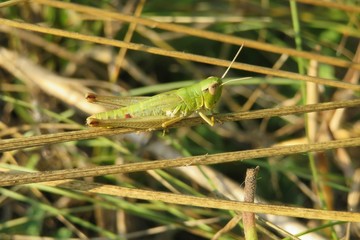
{"x":42,"y":211}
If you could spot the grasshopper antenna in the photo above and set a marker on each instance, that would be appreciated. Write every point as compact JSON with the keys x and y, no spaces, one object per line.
{"x":236,"y":55}
{"x":235,"y":80}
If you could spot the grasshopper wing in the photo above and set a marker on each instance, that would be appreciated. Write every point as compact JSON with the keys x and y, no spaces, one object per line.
{"x":113,"y":101}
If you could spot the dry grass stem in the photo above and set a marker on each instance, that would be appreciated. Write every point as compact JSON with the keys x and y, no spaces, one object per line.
{"x":23,"y":178}
{"x":180,"y":55}
{"x":35,"y":141}
{"x":205,"y":202}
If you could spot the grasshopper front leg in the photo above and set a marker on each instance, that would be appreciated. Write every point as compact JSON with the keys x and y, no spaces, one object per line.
{"x":210,"y":121}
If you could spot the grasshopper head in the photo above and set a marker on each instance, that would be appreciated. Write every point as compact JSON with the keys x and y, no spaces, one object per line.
{"x":211,"y":91}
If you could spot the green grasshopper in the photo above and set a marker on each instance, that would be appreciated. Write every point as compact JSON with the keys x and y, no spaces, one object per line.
{"x":161,"y":110}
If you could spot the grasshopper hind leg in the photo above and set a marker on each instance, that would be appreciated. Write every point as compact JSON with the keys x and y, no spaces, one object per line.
{"x":171,"y":121}
{"x":149,"y":122}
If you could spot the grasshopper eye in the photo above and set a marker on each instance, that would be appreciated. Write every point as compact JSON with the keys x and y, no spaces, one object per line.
{"x":212,"y":88}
